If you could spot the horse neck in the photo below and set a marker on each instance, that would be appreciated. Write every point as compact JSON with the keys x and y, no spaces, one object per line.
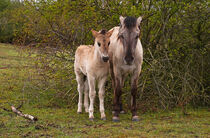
{"x":116,"y":48}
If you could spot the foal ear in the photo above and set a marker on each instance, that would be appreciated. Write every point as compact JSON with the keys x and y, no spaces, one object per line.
{"x":122,"y":20}
{"x":95,"y":33}
{"x":109,"y":33}
{"x":139,"y":19}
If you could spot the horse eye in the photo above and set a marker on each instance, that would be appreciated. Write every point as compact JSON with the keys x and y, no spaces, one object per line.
{"x":109,"y":43}
{"x":99,"y":44}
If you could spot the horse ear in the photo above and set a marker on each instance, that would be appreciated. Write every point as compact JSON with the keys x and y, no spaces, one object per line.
{"x":95,"y":33}
{"x":122,"y":20}
{"x":139,"y":19}
{"x":110,"y":33}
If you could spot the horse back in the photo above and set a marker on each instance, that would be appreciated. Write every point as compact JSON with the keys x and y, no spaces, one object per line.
{"x":81,"y":56}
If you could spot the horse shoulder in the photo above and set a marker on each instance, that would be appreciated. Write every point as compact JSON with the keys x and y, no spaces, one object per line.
{"x":139,"y":54}
{"x":114,"y":35}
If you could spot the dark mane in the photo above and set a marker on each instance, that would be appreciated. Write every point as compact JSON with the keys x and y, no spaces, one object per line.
{"x":103,"y":32}
{"x":130,"y":22}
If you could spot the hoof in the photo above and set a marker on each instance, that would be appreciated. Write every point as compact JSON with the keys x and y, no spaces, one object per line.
{"x":104,"y":118}
{"x":91,"y":119}
{"x":79,"y":112}
{"x":115,"y":119}
{"x":135,"y":118}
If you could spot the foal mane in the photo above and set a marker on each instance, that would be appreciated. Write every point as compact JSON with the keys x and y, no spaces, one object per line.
{"x":103,"y":32}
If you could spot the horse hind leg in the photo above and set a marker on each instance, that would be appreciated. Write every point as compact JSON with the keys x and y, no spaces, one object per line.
{"x":86,"y":102}
{"x":80,"y":88}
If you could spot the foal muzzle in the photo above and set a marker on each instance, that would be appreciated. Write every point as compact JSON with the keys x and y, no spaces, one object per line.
{"x":105,"y":59}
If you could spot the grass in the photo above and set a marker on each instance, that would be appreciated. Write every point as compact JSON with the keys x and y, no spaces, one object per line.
{"x":66,"y":122}
{"x":17,"y":69}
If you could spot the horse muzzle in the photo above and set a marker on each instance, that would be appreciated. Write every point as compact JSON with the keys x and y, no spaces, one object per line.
{"x":129,"y":60}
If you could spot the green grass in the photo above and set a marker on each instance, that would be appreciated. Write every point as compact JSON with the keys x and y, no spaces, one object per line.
{"x":66,"y":122}
{"x":16,"y":72}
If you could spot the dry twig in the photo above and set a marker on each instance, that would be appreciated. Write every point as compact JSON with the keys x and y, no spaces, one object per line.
{"x":26,"y":116}
{"x":16,"y":111}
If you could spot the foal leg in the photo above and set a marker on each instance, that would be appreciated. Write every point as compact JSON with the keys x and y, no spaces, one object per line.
{"x":86,"y":103}
{"x":80,"y":88}
{"x":92,"y":94}
{"x":101,"y":97}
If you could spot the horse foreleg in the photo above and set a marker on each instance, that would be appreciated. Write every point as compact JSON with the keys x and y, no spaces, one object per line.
{"x":112,"y":72}
{"x":120,"y":100}
{"x":113,"y":83}
{"x":134,"y":82}
{"x":117,"y":94}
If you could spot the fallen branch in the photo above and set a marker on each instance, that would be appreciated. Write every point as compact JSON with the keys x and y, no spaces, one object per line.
{"x":20,"y":106}
{"x":26,"y":116}
{"x":6,"y":109}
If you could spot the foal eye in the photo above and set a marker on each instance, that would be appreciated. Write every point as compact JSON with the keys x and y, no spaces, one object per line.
{"x":99,"y":44}
{"x":108,"y":43}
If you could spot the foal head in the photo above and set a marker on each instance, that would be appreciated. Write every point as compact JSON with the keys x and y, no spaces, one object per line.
{"x":102,"y":42}
{"x":129,"y":34}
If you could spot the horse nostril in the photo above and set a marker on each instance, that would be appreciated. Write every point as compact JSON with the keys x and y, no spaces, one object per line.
{"x":132,"y":58}
{"x":105,"y":59}
{"x":129,"y":59}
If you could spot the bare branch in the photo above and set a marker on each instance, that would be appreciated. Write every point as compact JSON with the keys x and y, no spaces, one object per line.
{"x":26,"y":116}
